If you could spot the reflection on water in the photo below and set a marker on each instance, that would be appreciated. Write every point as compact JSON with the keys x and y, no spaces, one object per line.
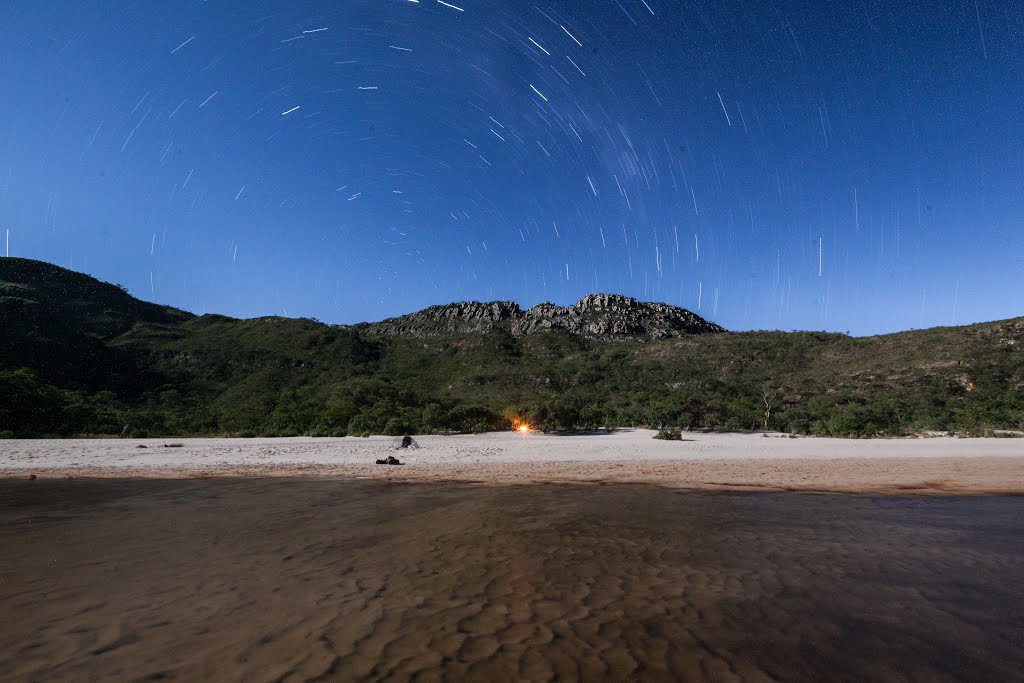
{"x":300,"y":579}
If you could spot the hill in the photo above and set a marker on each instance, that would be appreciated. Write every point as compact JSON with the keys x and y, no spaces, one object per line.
{"x":63,"y":323}
{"x":81,"y":356}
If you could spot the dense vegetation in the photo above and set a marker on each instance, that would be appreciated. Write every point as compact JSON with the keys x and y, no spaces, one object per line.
{"x":78,"y":356}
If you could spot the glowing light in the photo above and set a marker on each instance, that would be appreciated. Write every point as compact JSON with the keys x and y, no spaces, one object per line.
{"x":520,"y":426}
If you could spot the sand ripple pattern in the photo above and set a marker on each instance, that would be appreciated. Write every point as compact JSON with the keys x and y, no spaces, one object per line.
{"x":318,"y":579}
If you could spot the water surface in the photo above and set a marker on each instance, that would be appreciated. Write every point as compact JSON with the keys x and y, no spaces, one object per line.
{"x":308,"y":579}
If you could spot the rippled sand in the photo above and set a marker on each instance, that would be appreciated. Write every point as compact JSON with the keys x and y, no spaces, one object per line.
{"x":312,"y":579}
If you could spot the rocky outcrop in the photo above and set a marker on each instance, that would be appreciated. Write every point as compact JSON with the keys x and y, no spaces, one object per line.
{"x":598,"y":316}
{"x":546,"y":310}
{"x":466,"y":316}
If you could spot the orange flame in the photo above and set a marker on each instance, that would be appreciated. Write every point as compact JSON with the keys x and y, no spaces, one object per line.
{"x":521,"y":426}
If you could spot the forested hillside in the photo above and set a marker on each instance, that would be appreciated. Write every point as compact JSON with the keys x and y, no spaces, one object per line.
{"x":78,"y":356}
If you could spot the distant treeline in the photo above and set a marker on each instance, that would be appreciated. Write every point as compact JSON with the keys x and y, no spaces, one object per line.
{"x":31,"y":407}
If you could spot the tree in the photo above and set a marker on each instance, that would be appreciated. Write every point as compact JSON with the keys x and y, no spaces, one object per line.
{"x":768,"y":399}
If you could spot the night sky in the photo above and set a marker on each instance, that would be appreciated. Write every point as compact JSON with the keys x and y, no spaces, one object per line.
{"x":788,"y":165}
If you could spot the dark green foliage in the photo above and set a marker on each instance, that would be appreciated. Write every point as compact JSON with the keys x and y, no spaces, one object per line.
{"x":79,"y":356}
{"x":30,"y":407}
{"x":669,"y":434}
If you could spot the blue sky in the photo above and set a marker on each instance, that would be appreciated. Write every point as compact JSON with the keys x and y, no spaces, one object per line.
{"x":795,"y":165}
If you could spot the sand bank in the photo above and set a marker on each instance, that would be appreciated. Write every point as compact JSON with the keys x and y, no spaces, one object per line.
{"x":700,"y":461}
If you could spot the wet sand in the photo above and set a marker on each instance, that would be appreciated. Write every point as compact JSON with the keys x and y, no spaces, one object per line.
{"x":326,"y":579}
{"x":739,"y":461}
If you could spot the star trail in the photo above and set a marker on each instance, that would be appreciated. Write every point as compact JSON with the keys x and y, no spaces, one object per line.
{"x":844,"y":166}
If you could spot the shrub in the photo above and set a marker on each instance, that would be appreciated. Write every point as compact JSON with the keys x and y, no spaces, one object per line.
{"x":397,"y":427}
{"x":669,"y":434}
{"x":360,"y":425}
{"x":434,"y":418}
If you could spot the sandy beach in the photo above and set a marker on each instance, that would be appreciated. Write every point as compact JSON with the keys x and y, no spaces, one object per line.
{"x":740,"y":461}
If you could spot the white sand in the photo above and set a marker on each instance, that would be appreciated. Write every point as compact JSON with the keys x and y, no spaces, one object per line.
{"x":732,"y":461}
